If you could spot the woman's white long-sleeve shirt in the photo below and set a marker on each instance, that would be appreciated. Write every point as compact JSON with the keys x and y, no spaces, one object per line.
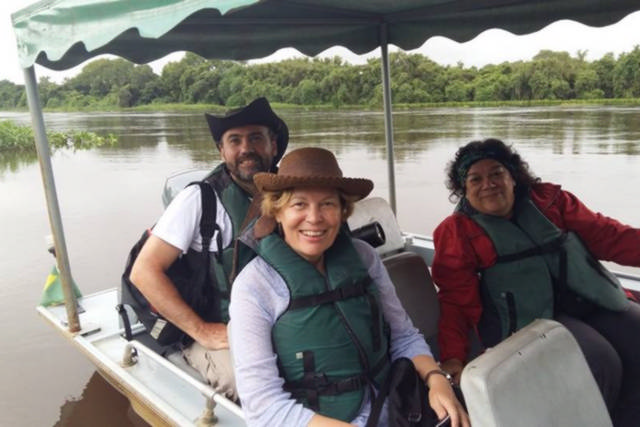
{"x":259,"y":296}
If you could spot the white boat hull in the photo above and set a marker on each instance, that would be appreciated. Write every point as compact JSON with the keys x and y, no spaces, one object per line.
{"x":160,"y":392}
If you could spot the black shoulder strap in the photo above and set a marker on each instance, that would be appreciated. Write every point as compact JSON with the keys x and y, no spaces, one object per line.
{"x":208,"y":224}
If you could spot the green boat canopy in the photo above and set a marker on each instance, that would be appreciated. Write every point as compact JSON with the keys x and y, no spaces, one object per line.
{"x":60,"y":34}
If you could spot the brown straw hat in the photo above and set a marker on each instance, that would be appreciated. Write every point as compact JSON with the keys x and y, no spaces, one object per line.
{"x":311,"y":167}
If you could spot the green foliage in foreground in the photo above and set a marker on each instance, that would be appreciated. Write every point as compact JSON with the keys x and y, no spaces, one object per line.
{"x":15,"y":138}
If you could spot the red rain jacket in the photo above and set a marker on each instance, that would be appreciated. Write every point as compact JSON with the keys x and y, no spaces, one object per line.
{"x":462,"y":250}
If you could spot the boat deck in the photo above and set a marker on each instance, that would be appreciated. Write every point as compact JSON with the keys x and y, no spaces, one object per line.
{"x":159,"y":391}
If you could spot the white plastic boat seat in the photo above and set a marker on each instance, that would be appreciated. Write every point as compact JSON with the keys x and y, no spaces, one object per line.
{"x":410,"y":275}
{"x":377,"y":209}
{"x":537,"y":377}
{"x":176,"y":182}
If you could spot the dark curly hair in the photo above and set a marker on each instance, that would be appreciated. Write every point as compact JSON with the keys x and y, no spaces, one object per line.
{"x":488,"y":149}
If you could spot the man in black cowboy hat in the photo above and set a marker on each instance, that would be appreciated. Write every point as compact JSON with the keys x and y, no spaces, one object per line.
{"x":250,"y":139}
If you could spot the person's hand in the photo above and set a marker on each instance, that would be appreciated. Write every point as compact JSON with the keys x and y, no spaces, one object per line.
{"x":213,"y":336}
{"x":454,"y":368}
{"x":443,"y":401}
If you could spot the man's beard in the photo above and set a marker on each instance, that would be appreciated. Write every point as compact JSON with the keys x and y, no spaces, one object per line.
{"x":245,"y":175}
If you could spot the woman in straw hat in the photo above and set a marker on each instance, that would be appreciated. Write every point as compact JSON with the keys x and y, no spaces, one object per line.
{"x":316,"y":320}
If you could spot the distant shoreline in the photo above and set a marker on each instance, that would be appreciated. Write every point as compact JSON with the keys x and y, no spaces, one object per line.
{"x":630,"y":102}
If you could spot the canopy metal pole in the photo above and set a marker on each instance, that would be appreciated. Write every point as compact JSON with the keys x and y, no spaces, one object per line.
{"x":55,"y":219}
{"x":388,"y":120}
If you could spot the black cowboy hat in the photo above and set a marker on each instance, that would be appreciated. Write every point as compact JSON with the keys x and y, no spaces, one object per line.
{"x":258,"y":112}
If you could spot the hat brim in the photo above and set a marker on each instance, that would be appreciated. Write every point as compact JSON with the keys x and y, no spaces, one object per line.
{"x":358,"y":187}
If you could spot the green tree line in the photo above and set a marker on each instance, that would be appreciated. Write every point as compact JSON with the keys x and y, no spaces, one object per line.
{"x":550,"y":75}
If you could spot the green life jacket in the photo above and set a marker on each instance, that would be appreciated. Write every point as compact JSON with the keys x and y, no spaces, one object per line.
{"x":537,"y":264}
{"x":332,"y":341}
{"x":236,"y":202}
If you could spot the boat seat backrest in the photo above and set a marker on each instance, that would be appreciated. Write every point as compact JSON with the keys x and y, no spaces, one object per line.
{"x":410,"y":275}
{"x":536,"y":377}
{"x":377,"y":209}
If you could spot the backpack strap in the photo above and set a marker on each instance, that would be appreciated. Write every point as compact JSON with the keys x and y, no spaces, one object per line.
{"x":125,"y":321}
{"x":208,"y":224}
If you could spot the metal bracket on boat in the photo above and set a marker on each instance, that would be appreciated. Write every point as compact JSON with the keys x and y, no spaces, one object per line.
{"x":130,"y":356}
{"x":208,"y":416}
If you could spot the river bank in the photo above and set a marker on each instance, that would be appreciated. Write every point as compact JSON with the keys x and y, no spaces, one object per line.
{"x":174,"y":107}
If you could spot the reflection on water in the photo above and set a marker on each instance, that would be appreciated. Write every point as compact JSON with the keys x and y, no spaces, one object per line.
{"x":109,"y":195}
{"x":90,"y":410}
{"x":12,"y":162}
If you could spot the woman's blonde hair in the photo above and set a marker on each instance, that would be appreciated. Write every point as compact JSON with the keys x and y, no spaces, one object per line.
{"x":274,"y":201}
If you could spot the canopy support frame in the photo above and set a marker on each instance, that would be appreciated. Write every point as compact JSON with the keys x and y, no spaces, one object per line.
{"x":388,"y":118}
{"x":53,"y":207}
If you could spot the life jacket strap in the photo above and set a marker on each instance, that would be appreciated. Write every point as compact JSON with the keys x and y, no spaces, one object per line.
{"x":549,"y":247}
{"x":376,"y":327}
{"x":342,"y":293}
{"x":320,"y":385}
{"x":314,"y":384}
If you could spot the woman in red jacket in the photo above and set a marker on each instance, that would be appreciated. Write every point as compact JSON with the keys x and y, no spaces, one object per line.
{"x":516,"y":249}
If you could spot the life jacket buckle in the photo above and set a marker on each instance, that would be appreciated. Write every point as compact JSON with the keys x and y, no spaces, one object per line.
{"x":319,"y":380}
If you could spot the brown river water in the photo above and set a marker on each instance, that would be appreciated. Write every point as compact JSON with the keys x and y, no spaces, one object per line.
{"x":109,"y":195}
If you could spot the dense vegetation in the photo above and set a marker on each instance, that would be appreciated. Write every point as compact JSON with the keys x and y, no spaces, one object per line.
{"x":20,"y":139}
{"x":112,"y":83}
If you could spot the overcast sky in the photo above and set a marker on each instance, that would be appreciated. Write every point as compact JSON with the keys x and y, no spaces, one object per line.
{"x":493,"y":46}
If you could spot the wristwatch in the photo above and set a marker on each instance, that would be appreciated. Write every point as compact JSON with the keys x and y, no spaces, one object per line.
{"x":437,"y":372}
